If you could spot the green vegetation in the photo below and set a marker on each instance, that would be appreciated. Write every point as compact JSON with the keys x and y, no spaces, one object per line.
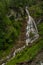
{"x":31,"y":34}
{"x":10,"y":27}
{"x":6,"y":52}
{"x":29,"y":53}
{"x":40,"y":28}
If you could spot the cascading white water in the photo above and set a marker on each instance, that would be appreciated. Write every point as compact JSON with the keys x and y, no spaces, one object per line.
{"x":31,"y":27}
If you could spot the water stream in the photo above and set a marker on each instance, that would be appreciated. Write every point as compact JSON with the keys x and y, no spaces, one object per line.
{"x":31,"y":27}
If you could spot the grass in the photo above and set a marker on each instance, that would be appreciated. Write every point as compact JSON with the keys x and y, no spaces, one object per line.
{"x":26,"y":54}
{"x":29,"y":53}
{"x":6,"y":52}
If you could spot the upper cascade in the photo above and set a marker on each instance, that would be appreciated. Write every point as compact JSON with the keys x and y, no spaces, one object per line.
{"x":31,"y":29}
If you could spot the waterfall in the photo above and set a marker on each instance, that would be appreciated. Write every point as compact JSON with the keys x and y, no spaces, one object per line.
{"x":31,"y":27}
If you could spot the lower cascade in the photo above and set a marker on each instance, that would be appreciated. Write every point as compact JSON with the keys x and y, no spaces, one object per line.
{"x":31,"y":29}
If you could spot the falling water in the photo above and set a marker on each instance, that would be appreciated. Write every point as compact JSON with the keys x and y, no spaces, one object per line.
{"x":3,"y":64}
{"x":31,"y":27}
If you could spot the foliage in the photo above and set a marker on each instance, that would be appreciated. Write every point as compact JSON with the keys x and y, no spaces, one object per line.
{"x":29,"y":53}
{"x":9,"y":30}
